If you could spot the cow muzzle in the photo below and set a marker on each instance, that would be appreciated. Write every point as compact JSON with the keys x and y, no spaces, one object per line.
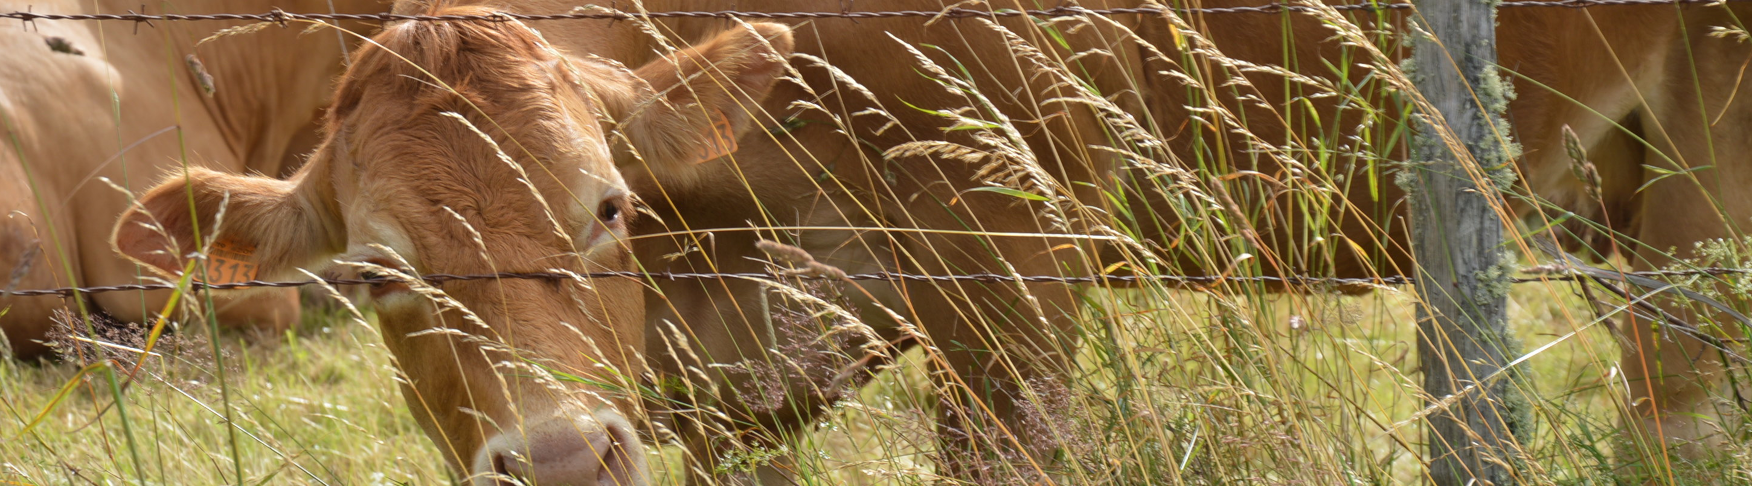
{"x":600,"y":449}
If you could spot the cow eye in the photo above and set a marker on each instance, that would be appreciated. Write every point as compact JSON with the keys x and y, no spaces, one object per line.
{"x":377,"y":278}
{"x":383,"y":283}
{"x":610,"y":212}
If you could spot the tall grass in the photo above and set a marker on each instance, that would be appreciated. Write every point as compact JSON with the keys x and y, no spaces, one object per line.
{"x":1173,"y":388}
{"x":1235,"y":382}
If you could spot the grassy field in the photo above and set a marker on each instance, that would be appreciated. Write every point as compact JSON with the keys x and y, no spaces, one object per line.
{"x":1303,"y":390}
{"x":1169,"y":387}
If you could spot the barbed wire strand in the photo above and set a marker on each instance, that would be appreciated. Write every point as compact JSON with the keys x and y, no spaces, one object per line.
{"x":883,"y":276}
{"x":281,"y":17}
{"x":1547,"y":274}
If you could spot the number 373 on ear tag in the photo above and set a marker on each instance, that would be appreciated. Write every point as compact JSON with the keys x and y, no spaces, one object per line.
{"x":229,"y":262}
{"x":720,"y":139}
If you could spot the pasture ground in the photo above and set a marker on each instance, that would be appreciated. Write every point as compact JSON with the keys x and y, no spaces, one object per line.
{"x":1170,"y":387}
{"x":1299,"y":391}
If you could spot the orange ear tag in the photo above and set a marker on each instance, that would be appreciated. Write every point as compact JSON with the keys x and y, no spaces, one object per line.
{"x":230,"y":262}
{"x":721,"y":140}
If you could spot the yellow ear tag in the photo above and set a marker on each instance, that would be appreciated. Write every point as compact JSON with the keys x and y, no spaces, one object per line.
{"x":230,"y":262}
{"x":721,"y":140}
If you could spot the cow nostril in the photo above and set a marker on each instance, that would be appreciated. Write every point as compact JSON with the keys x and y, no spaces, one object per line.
{"x":614,"y":461}
{"x":623,"y":461}
{"x":499,"y":465}
{"x":508,"y":469}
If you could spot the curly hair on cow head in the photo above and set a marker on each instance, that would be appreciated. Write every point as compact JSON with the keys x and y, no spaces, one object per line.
{"x":484,"y":62}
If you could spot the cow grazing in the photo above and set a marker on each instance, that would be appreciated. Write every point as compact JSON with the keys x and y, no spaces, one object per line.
{"x":94,"y":100}
{"x":840,"y":151}
{"x":468,"y":148}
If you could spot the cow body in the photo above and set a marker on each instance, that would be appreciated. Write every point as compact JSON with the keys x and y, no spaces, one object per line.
{"x":89,"y":101}
{"x":837,"y":180}
{"x":710,"y":215}
{"x":842,"y":183}
{"x":1676,"y":111}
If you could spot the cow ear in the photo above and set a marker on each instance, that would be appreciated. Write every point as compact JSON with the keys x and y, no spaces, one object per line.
{"x":703,"y":98}
{"x":249,"y":227}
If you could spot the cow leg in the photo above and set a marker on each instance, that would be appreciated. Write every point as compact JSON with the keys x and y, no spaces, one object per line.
{"x":26,"y":320}
{"x":266,"y":312}
{"x":1680,"y":388}
{"x":272,"y":311}
{"x":1000,"y":349}
{"x":1679,"y":384}
{"x":28,"y":260}
{"x":756,"y":367}
{"x":1006,"y":353}
{"x":1683,"y":390}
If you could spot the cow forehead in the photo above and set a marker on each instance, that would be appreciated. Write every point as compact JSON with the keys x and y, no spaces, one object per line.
{"x":460,"y":167}
{"x":506,"y":82}
{"x":446,"y":196}
{"x":551,"y":120}
{"x":475,"y":137}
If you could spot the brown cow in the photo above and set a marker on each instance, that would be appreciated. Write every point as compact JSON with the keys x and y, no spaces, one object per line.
{"x":88,"y":101}
{"x":830,"y":160}
{"x":469,"y":148}
{"x":1653,"y":93}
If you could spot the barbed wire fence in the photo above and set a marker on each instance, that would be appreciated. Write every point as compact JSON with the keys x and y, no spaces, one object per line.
{"x":1546,"y":273}
{"x":1564,"y":270}
{"x":609,"y":13}
{"x":277,"y":16}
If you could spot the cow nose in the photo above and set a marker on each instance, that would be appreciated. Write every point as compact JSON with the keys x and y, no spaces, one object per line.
{"x":600,"y":450}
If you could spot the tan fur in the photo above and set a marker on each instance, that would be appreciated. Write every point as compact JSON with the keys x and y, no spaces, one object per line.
{"x":270,"y":87}
{"x":1634,"y":68}
{"x":818,"y":176}
{"x":470,"y":148}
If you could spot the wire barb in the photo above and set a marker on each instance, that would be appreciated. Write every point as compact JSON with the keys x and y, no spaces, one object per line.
{"x":883,"y":276}
{"x":1544,"y":274}
{"x":281,"y":17}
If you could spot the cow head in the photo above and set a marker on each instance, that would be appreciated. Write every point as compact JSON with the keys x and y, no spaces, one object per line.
{"x":472,"y":148}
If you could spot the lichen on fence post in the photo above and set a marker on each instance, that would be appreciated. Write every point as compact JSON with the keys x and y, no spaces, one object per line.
{"x":1460,"y":159}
